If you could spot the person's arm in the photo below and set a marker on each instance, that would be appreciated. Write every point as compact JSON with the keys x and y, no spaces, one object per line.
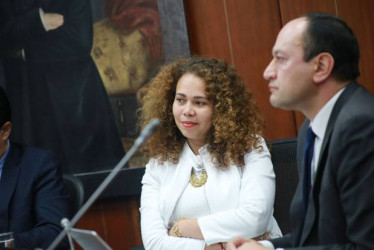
{"x":51,"y":21}
{"x":16,"y":30}
{"x":244,"y":244}
{"x":353,"y":164}
{"x":51,"y":204}
{"x":154,"y":231}
{"x":285,"y":241}
{"x":252,"y":216}
{"x":256,"y":199}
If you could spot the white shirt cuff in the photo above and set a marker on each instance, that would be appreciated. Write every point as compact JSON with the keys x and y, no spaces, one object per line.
{"x":266,"y":244}
{"x":41,"y":13}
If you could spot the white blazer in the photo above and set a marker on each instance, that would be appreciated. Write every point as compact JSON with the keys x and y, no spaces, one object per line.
{"x":240,"y":198}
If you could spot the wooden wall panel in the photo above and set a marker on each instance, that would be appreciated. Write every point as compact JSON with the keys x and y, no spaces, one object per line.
{"x":291,"y":9}
{"x":124,"y":220}
{"x":359,"y":16}
{"x":253,"y":27}
{"x":207,"y":29}
{"x":116,"y":221}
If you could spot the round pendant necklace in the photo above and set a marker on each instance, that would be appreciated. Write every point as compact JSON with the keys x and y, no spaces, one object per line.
{"x":198,"y":181}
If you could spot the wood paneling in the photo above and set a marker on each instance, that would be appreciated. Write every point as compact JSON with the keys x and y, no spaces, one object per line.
{"x":253,"y":27}
{"x":291,"y":9}
{"x":207,"y":29}
{"x":116,"y":221}
{"x":242,"y":32}
{"x":359,"y":16}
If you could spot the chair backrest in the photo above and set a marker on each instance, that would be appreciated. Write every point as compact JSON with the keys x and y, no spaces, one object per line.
{"x":283,"y":153}
{"x":76,"y":191}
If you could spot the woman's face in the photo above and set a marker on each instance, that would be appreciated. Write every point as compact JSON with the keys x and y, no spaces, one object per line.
{"x":192,"y":110}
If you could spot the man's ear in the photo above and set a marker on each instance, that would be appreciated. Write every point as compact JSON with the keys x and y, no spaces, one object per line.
{"x":323,"y":64}
{"x":5,"y":131}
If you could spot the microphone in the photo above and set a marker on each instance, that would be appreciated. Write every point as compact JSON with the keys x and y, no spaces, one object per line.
{"x":149,"y":129}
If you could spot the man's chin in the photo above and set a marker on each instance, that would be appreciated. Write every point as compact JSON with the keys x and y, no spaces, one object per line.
{"x":278,"y":104}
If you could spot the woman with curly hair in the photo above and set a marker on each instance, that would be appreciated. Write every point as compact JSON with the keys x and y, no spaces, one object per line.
{"x":210,"y":176}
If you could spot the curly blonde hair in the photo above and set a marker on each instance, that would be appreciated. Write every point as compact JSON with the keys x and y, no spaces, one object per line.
{"x":236,"y":126}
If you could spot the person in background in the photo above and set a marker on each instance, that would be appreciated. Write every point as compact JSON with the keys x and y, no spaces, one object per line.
{"x":58,"y":99}
{"x":314,"y":69}
{"x":33,"y":198}
{"x":210,"y":176}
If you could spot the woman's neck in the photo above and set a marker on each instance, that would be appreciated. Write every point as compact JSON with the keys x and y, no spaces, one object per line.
{"x":195,"y":146}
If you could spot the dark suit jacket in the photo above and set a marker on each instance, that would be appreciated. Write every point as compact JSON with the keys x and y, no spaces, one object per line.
{"x":33,"y":199}
{"x":340,"y":213}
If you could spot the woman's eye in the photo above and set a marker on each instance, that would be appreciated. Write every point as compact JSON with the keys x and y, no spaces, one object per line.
{"x":179,"y":100}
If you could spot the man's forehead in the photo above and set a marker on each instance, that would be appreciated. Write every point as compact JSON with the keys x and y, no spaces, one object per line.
{"x":290,"y":35}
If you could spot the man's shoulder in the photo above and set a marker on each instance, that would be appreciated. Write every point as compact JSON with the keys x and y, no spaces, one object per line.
{"x":26,"y":152}
{"x":362,"y":96}
{"x":359,"y":105}
{"x":27,"y":148}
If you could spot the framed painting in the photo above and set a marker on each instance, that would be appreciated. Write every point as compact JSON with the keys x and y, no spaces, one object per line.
{"x":132,"y":39}
{"x":143,"y":35}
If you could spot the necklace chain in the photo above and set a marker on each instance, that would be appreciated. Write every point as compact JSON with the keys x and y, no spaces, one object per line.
{"x":198,"y":181}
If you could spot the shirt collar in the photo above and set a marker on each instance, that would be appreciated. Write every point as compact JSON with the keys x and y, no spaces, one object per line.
{"x":319,"y":124}
{"x":197,"y":160}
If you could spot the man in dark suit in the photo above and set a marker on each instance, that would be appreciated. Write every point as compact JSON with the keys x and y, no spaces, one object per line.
{"x":314,"y":68}
{"x":32,"y":196}
{"x":57,"y":96}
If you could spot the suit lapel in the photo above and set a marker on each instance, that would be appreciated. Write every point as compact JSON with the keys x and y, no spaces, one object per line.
{"x":297,"y":214}
{"x":313,"y":203}
{"x":8,"y":183}
{"x":347,"y":93}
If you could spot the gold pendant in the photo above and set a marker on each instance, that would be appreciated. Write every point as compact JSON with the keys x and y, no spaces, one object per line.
{"x":196,"y":181}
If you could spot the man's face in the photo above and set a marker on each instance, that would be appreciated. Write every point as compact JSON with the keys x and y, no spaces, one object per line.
{"x":290,"y":77}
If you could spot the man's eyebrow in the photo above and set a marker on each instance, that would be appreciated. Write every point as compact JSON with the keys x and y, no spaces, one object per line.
{"x":276,"y":51}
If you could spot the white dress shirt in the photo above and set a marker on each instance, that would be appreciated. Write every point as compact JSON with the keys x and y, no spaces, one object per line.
{"x":319,"y":126}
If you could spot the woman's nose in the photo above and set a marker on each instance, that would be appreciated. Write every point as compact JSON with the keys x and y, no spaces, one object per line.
{"x":188,"y":109}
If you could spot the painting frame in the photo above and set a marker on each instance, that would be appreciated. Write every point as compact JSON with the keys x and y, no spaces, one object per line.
{"x":176,"y":45}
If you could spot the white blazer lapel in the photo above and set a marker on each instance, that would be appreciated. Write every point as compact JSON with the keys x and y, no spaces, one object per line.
{"x":179,"y":180}
{"x":222,"y":187}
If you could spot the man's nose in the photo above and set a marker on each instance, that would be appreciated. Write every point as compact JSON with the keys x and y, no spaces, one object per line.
{"x":269,"y":72}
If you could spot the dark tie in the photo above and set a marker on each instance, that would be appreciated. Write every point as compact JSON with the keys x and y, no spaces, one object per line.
{"x":308,"y":156}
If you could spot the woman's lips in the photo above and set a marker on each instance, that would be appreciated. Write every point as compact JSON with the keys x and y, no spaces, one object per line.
{"x":189,"y":124}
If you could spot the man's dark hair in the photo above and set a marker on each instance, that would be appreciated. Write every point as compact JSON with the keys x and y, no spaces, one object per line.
{"x":329,"y":33}
{"x":5,"y":115}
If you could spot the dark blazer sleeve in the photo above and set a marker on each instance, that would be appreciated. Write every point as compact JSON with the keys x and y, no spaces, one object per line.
{"x":50,"y":204}
{"x":16,"y":29}
{"x":353,"y":165}
{"x":285,"y":241}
